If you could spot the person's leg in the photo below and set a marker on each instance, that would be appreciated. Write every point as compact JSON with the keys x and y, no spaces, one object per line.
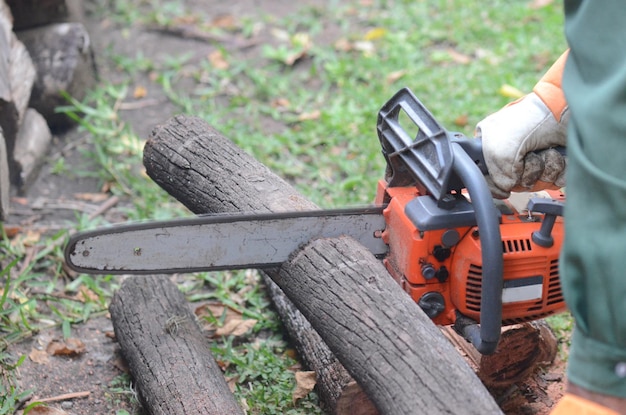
{"x":593,"y":261}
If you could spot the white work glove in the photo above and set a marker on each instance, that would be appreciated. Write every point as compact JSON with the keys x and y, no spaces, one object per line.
{"x":518,"y":143}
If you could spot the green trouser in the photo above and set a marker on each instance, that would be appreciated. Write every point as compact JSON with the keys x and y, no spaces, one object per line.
{"x":593,"y":262}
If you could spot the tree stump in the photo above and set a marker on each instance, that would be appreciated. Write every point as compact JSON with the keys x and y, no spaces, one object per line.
{"x":168,"y":356}
{"x":384,"y":339}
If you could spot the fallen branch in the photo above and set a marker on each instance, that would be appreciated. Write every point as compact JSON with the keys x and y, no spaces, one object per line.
{"x":65,"y":397}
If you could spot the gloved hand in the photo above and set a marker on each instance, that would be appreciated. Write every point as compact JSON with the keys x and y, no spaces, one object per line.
{"x":510,"y":138}
{"x":518,"y":140}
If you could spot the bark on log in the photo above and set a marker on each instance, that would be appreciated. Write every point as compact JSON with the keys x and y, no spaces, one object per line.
{"x":5,"y":182}
{"x":17,"y":75}
{"x":31,"y":147}
{"x":174,"y":371}
{"x":229,"y":180}
{"x":62,"y":55}
{"x":390,"y":347}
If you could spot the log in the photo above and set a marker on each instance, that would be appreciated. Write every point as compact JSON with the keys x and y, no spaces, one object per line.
{"x":5,"y":182}
{"x":17,"y":75}
{"x":245,"y":185}
{"x":63,"y":57}
{"x":31,"y":13}
{"x":376,"y":331}
{"x":167,"y":354}
{"x":31,"y":147}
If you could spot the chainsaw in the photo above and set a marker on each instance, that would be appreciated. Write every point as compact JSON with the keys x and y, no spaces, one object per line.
{"x":466,"y":259}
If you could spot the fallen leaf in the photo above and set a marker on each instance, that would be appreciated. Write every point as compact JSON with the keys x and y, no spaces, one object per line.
{"x":140,"y":92}
{"x":280,"y":103}
{"x":344,"y":45}
{"x":217,"y":60}
{"x":39,"y":356}
{"x":235,"y":327}
{"x":85,"y":294}
{"x":459,"y":57}
{"x":365,"y":46}
{"x":308,"y":116}
{"x":217,"y":311}
{"x":30,"y":238}
{"x":224,"y":21}
{"x":69,"y":347}
{"x":375,"y":33}
{"x":395,"y":75}
{"x":510,"y":91}
{"x":11,"y":230}
{"x":187,"y":19}
{"x":538,"y":4}
{"x":46,"y":410}
{"x":461,"y":120}
{"x":92,"y":197}
{"x":305,"y":382}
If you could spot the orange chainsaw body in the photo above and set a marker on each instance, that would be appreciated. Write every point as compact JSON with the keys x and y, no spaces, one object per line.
{"x":444,"y":266}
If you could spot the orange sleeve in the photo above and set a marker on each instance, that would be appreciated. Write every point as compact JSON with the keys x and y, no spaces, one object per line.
{"x":548,"y":89}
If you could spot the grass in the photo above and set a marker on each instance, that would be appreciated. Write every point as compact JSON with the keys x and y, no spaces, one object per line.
{"x":306,"y":106}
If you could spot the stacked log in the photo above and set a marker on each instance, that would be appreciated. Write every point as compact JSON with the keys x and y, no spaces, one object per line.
{"x":45,"y":53}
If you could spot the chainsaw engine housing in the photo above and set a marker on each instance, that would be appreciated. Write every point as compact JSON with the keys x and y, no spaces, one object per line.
{"x":438,"y":262}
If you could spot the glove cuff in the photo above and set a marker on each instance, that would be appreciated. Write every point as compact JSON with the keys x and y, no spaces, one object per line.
{"x":549,"y":90}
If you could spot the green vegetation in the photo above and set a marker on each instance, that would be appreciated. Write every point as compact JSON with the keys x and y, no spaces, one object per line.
{"x":306,"y":106}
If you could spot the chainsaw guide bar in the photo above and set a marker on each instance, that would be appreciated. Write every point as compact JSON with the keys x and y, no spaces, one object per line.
{"x":218,"y":242}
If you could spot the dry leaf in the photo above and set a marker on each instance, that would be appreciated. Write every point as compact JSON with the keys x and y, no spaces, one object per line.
{"x":30,"y":238}
{"x":69,"y":347}
{"x":217,"y":60}
{"x":305,"y":382}
{"x":235,"y":327}
{"x":461,"y":120}
{"x":343,"y":45}
{"x":46,"y":410}
{"x":224,"y":21}
{"x":365,"y":46}
{"x":216,"y":310}
{"x":39,"y":356}
{"x":459,"y":57}
{"x":140,"y":92}
{"x":375,"y":33}
{"x":538,"y":4}
{"x":308,"y":116}
{"x":280,"y":103}
{"x":510,"y":91}
{"x":92,"y":197}
{"x":395,"y":75}
{"x":85,"y":294}
{"x":12,"y":230}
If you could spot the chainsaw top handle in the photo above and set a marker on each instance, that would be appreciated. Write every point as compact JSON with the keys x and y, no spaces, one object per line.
{"x":419,"y":152}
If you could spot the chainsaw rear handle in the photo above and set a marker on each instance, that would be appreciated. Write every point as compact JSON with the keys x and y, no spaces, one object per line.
{"x":485,"y":336}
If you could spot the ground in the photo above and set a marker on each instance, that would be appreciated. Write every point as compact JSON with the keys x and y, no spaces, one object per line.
{"x":100,"y":370}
